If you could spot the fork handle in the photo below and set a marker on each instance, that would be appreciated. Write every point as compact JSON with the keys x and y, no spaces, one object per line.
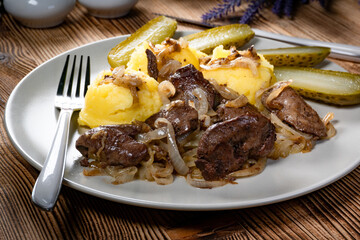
{"x":47,"y":187}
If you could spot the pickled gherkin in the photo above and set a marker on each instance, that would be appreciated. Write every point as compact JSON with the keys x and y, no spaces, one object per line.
{"x":154,"y":31}
{"x":229,"y":35}
{"x":334,"y":87}
{"x":295,"y":56}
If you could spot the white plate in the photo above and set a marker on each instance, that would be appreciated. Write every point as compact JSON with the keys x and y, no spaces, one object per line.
{"x":30,"y":119}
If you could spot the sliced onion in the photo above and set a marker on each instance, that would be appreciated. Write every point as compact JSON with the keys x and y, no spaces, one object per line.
{"x":166,"y":90}
{"x":277,"y":89}
{"x":249,"y":63}
{"x":225,"y":92}
{"x":118,"y":72}
{"x":241,"y":101}
{"x":156,"y":134}
{"x":162,"y":174}
{"x":330,"y":129}
{"x":242,"y":62}
{"x":121,"y":174}
{"x":255,"y":169}
{"x":159,"y":170}
{"x":190,"y":157}
{"x":288,"y":140}
{"x":174,"y":155}
{"x":195,"y":179}
{"x":164,"y":180}
{"x":144,"y":169}
{"x":169,"y":68}
{"x":275,"y":120}
{"x":203,"y":105}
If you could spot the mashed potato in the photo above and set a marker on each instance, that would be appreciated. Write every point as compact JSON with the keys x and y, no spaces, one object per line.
{"x":240,"y":79}
{"x":138,"y":60}
{"x":108,"y":103}
{"x":185,"y":56}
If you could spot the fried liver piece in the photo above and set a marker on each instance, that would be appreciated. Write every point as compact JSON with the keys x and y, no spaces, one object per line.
{"x":244,"y":133}
{"x":113,"y":145}
{"x":183,"y":118}
{"x":152,"y":64}
{"x":292,"y":109}
{"x":227,"y":113}
{"x":186,"y":79}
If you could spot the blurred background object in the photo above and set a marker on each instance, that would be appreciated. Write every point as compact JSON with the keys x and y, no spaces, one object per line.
{"x":39,"y":13}
{"x":108,"y":8}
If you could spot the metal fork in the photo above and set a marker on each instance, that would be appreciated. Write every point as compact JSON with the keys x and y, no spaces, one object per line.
{"x":47,"y":187}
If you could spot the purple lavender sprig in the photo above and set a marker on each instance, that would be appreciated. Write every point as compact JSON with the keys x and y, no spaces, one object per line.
{"x":289,"y":7}
{"x":253,"y":9}
{"x":221,"y":10}
{"x":279,"y":7}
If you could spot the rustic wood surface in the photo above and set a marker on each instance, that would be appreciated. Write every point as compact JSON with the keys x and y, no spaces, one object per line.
{"x":330,"y":213}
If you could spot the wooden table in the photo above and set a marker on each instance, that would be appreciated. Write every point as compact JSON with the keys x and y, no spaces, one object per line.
{"x":330,"y":213}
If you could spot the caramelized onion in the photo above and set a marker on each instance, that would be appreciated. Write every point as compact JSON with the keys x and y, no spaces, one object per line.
{"x":166,"y":90}
{"x":190,"y":157}
{"x":278,"y":88}
{"x":152,"y":135}
{"x":118,"y":72}
{"x":169,"y":68}
{"x":289,"y":140}
{"x":121,"y":174}
{"x":244,"y":59}
{"x":330,"y":129}
{"x":162,"y":174}
{"x":252,"y":167}
{"x":225,"y":92}
{"x":195,"y":179}
{"x":238,"y":102}
{"x":275,"y":120}
{"x":174,"y":155}
{"x":203,"y":105}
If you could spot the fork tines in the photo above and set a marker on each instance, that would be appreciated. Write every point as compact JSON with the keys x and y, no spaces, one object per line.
{"x":75,"y":69}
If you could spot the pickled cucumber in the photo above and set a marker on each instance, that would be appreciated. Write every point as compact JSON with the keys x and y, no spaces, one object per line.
{"x":295,"y":56}
{"x":334,"y":87}
{"x":155,"y":31}
{"x":229,"y":35}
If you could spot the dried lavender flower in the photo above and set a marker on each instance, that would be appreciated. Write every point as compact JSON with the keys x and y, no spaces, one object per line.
{"x":222,"y":9}
{"x":288,"y":8}
{"x":252,"y":10}
{"x":279,"y":7}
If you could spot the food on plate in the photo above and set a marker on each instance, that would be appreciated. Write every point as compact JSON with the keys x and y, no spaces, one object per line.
{"x":178,"y":52}
{"x":120,"y":96}
{"x":118,"y":143}
{"x":291,"y":109}
{"x":241,"y":133}
{"x":212,"y":118}
{"x":334,"y":87}
{"x":229,"y":35}
{"x":242,"y":71}
{"x":155,"y":31}
{"x":295,"y":56}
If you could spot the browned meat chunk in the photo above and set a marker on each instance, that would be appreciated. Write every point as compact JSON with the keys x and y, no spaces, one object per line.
{"x":225,"y":146}
{"x":291,"y":108}
{"x":152,"y":64}
{"x":186,"y":79}
{"x":226,"y":113}
{"x":113,"y":145}
{"x":183,"y":118}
